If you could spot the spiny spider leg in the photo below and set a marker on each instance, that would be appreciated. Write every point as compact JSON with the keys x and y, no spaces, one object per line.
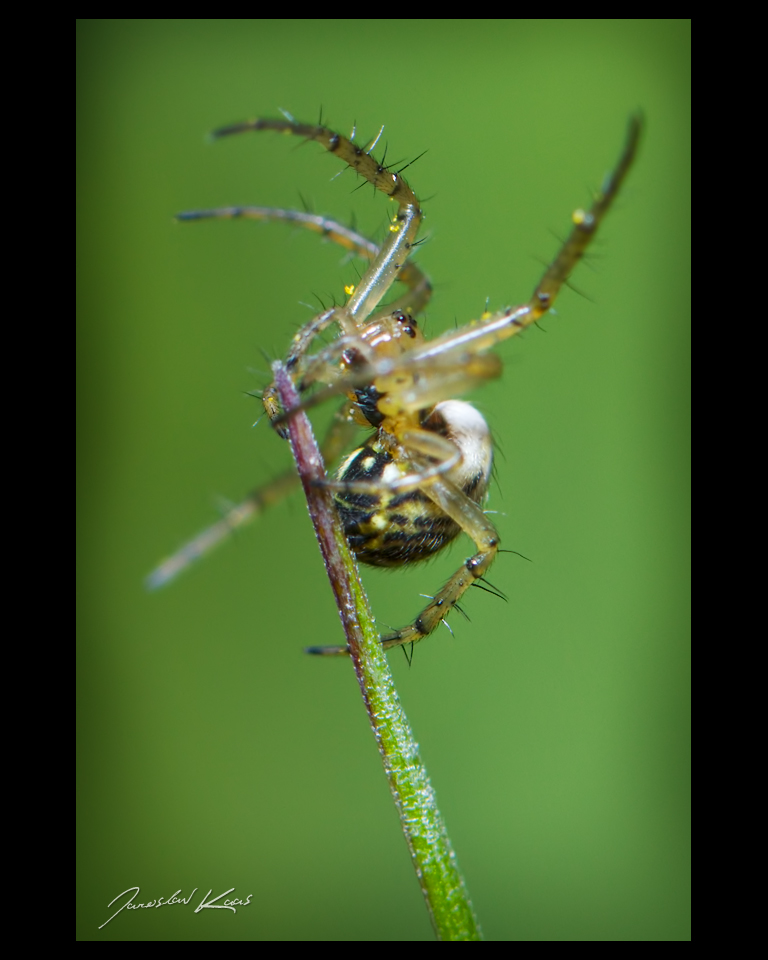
{"x":394,"y":251}
{"x":491,"y":329}
{"x":386,"y":264}
{"x":419,"y":288}
{"x":475,"y":524}
{"x":471,"y":519}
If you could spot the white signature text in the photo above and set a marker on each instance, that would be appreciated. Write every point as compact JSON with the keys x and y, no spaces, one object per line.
{"x":207,"y":903}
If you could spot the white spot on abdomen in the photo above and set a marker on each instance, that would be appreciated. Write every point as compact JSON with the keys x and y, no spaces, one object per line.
{"x":467,"y":428}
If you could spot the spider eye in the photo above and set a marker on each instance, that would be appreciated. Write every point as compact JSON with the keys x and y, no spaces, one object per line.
{"x":409,"y":324}
{"x":353,"y":358}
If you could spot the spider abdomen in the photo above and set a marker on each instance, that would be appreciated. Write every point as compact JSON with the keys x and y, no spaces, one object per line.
{"x":388,"y":528}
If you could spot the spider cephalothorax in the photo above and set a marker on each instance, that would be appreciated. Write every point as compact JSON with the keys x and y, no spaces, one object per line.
{"x":421,"y":477}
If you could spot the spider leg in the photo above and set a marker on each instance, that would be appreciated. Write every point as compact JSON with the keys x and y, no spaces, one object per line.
{"x":474,"y":522}
{"x":336,"y":440}
{"x":416,"y":297}
{"x":414,"y":300}
{"x":323,"y":366}
{"x":491,"y":329}
{"x":419,"y":288}
{"x":470,"y":517}
{"x":391,"y":258}
{"x":299,"y":346}
{"x":424,"y":443}
{"x":417,"y":384}
{"x":585,"y":225}
{"x":330,"y":229}
{"x":410,"y":382}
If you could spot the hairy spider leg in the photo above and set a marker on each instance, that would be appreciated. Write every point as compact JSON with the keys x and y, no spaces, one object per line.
{"x":387,"y":263}
{"x":491,"y":329}
{"x":472,"y":520}
{"x":419,"y":291}
{"x":391,"y":258}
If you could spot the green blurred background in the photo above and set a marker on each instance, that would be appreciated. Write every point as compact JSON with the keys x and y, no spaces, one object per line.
{"x":213,"y":754}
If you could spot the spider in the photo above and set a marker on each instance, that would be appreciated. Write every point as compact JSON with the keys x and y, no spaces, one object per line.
{"x":421,"y":477}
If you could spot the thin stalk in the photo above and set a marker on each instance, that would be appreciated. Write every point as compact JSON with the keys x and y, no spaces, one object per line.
{"x":445,"y":892}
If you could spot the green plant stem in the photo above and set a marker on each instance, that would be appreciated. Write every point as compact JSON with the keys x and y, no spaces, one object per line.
{"x":445,"y":892}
